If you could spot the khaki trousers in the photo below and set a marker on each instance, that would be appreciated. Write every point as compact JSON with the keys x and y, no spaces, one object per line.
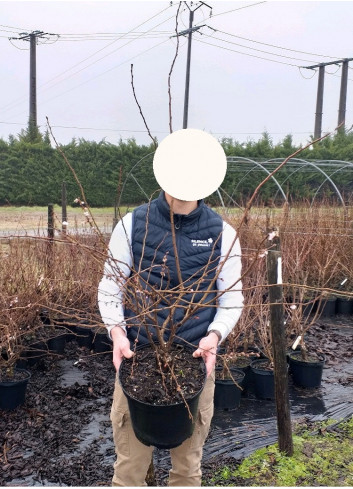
{"x":134,"y":458}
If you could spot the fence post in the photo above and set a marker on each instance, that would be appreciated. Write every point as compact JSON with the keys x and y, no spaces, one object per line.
{"x":63,"y":208}
{"x":274,"y":275}
{"x":51,"y":222}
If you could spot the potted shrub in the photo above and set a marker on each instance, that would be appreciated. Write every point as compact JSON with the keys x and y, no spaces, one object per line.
{"x":13,"y":380}
{"x":20,"y":298}
{"x":262,"y":367}
{"x":311,"y":267}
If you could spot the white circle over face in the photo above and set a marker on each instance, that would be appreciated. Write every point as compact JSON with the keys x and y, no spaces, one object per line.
{"x":189,"y":164}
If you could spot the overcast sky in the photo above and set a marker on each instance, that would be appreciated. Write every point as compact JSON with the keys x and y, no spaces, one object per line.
{"x":245,"y":67}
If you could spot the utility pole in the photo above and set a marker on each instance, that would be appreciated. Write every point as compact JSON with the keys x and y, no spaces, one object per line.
{"x":32,"y":38}
{"x":319,"y":102}
{"x":32,"y":80}
{"x":189,"y":31}
{"x":320,"y":93}
{"x":343,"y":94}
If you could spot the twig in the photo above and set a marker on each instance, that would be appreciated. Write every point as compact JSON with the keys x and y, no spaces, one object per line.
{"x":171,"y":70}
{"x":139,"y":106}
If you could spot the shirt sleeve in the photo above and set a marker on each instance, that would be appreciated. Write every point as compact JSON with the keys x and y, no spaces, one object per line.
{"x":230,"y":303}
{"x":117,"y":269}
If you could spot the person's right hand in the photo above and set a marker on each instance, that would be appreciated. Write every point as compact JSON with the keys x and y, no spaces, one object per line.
{"x":121,"y":346}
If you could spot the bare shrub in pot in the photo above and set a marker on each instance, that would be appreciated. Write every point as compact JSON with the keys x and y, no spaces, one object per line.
{"x":310,"y":270}
{"x":20,"y":298}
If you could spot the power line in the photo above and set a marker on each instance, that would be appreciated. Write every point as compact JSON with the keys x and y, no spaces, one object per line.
{"x":272,"y":45}
{"x":19,"y":100}
{"x":114,"y":36}
{"x":246,"y":54}
{"x":17,"y":28}
{"x":108,"y":45}
{"x":103,"y":73}
{"x":102,"y":129}
{"x":233,"y":10}
{"x":255,"y":49}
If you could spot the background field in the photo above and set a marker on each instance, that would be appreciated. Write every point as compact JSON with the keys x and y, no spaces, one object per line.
{"x":21,"y":220}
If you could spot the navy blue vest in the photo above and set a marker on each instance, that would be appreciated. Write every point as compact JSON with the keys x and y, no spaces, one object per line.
{"x":198,"y":241}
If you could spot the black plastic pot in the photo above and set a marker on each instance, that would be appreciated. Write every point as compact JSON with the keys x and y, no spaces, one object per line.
{"x":344,"y":306}
{"x":328,"y":308}
{"x":13,"y":393}
{"x":71,"y":332}
{"x":227,"y":394}
{"x":36,"y":352}
{"x":101,"y":342}
{"x":162,"y":426}
{"x":306,"y":374}
{"x":57,"y":344}
{"x":83,"y":336}
{"x":264,"y":380}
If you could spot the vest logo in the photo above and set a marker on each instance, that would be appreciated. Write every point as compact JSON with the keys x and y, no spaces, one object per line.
{"x":202,"y":242}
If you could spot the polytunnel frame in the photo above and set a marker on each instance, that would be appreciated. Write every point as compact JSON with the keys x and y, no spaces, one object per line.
{"x":130,"y":174}
{"x":235,"y":159}
{"x":306,"y":163}
{"x":346,"y":165}
{"x":263,"y":168}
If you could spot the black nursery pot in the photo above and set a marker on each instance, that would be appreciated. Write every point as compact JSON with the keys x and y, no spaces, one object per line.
{"x":264,"y":380}
{"x":36,"y":352}
{"x":306,"y":374}
{"x":344,"y":306}
{"x":13,"y":393}
{"x":101,"y":342}
{"x":57,"y":344}
{"x":227,"y":394}
{"x":328,"y":308}
{"x":84,"y":336}
{"x":162,"y":426}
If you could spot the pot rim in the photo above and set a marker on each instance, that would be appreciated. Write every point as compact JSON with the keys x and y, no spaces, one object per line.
{"x":134,"y":399}
{"x":19,"y":381}
{"x":321,"y":358}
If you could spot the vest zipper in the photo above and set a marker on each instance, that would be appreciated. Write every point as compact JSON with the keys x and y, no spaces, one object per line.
{"x":177,"y":226}
{"x":177,"y":223}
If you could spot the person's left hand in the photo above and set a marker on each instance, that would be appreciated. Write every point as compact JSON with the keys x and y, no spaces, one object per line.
{"x":207,"y":349}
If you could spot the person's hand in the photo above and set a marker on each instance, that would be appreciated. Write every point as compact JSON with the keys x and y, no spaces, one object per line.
{"x":207,"y":350}
{"x":121,"y":346}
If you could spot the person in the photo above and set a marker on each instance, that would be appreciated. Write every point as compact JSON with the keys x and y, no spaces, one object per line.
{"x":207,"y":250}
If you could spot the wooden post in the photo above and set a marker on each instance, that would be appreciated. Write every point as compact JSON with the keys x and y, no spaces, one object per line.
{"x":63,"y":208}
{"x":51,"y":221}
{"x":50,"y":243}
{"x":274,"y":275}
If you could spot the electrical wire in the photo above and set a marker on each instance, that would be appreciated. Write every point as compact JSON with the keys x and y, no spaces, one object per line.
{"x":17,"y":28}
{"x":258,"y":50}
{"x":110,"y":44}
{"x":224,"y":133}
{"x":10,"y":32}
{"x":103,"y":73}
{"x":117,"y":35}
{"x":16,"y":102}
{"x":246,"y":54}
{"x":233,"y":10}
{"x":272,"y":45}
{"x":307,"y":77}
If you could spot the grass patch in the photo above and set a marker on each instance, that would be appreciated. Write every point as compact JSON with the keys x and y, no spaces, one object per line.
{"x":322,"y":459}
